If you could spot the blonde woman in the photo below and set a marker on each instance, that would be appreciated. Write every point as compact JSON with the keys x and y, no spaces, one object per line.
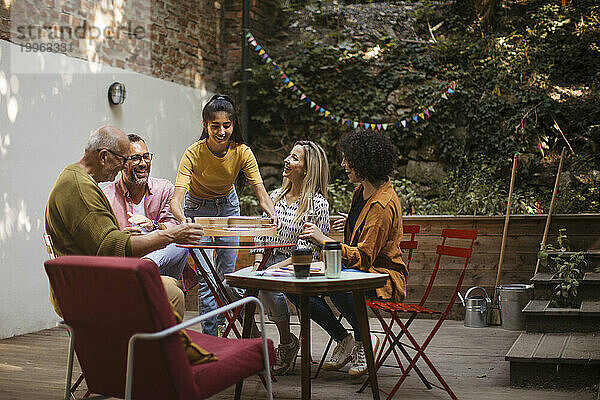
{"x":302,"y":198}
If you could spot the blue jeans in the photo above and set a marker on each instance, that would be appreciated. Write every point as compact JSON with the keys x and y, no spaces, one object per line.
{"x":223,"y":260}
{"x":274,"y":302}
{"x":321,"y":313}
{"x":170,"y":260}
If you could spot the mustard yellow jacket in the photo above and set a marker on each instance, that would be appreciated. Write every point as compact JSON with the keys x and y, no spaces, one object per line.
{"x":374,"y":245}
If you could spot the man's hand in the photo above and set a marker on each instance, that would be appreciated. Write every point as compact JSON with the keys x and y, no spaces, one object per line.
{"x":134,"y":230}
{"x":185,"y":233}
{"x":140,"y":220}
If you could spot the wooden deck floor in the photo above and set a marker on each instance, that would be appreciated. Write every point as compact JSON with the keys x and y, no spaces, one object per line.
{"x":471,"y":360}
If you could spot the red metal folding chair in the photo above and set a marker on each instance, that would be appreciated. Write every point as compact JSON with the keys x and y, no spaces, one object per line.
{"x":406,"y":245}
{"x":451,"y":254}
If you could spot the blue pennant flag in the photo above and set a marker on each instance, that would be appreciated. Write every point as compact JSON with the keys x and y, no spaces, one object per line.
{"x":416,"y":118}
{"x":367,"y":125}
{"x":258,"y":47}
{"x":450,"y":90}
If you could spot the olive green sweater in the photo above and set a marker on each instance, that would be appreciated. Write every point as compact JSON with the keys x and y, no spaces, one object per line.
{"x":80,"y":220}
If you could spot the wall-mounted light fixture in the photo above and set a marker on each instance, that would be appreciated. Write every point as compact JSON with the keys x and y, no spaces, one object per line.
{"x":116,"y":93}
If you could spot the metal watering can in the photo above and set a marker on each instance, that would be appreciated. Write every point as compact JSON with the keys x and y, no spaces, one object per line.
{"x":476,"y":308}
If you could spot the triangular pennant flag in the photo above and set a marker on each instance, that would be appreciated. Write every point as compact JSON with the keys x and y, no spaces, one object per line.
{"x":422,"y":115}
{"x":431,"y":109}
{"x":337,"y":119}
{"x":378,"y":127}
{"x":276,"y":67}
{"x":295,"y":88}
{"x":303,"y":96}
{"x":404,"y":123}
{"x":307,"y":101}
{"x":416,"y":118}
{"x":258,"y":47}
{"x":343,"y":121}
{"x":355,"y":125}
{"x":362,"y":125}
{"x":444,"y":96}
{"x":312,"y":104}
{"x":373,"y":127}
{"x":286,"y":80}
{"x":265,"y":56}
{"x":269,"y":60}
{"x":331,"y":117}
{"x":283,"y":75}
{"x":327,"y":113}
{"x":450,"y":90}
{"x":248,"y":35}
{"x":322,"y":110}
{"x":426,"y":112}
{"x":398,"y":124}
{"x":254,"y":42}
{"x":261,"y":52}
{"x":384,"y":126}
{"x":290,"y":84}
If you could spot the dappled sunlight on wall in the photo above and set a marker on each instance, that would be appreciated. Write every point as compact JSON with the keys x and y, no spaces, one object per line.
{"x":13,"y":219}
{"x":9,"y":88}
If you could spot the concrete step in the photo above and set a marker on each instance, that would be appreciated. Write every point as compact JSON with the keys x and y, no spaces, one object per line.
{"x":544,"y":284}
{"x":555,"y":360}
{"x":540,"y":317}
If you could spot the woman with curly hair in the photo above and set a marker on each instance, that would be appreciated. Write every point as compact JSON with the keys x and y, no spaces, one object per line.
{"x":372,"y":234}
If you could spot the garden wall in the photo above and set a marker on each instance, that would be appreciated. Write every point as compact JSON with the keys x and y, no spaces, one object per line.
{"x":520,"y":255}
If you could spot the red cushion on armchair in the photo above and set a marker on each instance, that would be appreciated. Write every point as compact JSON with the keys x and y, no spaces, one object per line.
{"x":108,"y":299}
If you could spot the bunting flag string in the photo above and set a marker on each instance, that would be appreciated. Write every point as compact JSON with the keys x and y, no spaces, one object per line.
{"x":288,"y":83}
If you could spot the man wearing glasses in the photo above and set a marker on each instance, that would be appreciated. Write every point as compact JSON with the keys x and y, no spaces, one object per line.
{"x":141,"y":204}
{"x":80,"y":219}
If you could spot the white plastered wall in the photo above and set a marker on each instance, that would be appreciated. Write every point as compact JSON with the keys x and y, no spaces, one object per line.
{"x":45,"y":120}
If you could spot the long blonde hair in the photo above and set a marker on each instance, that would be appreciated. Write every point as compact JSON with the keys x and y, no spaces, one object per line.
{"x":316,"y":177}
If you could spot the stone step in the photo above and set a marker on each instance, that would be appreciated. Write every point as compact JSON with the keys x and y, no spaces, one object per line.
{"x":555,"y":360}
{"x":540,"y":317}
{"x":589,"y":286}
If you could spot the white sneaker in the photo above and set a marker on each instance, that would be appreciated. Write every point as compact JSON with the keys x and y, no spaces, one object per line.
{"x":342,"y":354}
{"x":359,"y":361}
{"x":286,"y":356}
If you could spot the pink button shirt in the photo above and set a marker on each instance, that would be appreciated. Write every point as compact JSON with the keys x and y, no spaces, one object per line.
{"x":157,"y":202}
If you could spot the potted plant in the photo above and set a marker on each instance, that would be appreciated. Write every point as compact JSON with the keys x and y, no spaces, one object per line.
{"x":567,"y":268}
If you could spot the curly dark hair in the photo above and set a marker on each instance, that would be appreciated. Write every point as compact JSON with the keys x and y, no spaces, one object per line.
{"x":370,"y":154}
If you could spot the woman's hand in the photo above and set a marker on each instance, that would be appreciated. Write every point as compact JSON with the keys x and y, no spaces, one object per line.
{"x":338,"y":224}
{"x":313,"y":233}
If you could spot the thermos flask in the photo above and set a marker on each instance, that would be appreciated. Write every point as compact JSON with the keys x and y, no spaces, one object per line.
{"x":332,"y":256}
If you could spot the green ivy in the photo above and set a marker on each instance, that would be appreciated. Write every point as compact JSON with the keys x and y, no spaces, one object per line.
{"x":538,"y":65}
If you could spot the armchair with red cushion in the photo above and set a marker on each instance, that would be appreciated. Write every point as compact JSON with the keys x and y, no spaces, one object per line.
{"x":106,"y":301}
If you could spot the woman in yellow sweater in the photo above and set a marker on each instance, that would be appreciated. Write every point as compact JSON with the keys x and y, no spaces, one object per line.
{"x":205,"y":180}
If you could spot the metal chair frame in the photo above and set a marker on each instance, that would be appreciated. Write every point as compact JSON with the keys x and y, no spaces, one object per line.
{"x":409,"y":245}
{"x":167,"y":332}
{"x":51,"y":256}
{"x":397,"y":309}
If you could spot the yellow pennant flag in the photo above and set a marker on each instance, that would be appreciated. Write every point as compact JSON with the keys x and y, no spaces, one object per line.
{"x":261,"y":52}
{"x":327,"y":113}
{"x":422,"y":115}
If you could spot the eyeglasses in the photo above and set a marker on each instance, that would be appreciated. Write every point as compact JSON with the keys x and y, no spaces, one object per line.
{"x":137,"y":158}
{"x":122,"y":157}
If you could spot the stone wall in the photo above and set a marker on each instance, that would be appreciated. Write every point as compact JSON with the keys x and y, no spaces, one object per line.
{"x":196,"y":43}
